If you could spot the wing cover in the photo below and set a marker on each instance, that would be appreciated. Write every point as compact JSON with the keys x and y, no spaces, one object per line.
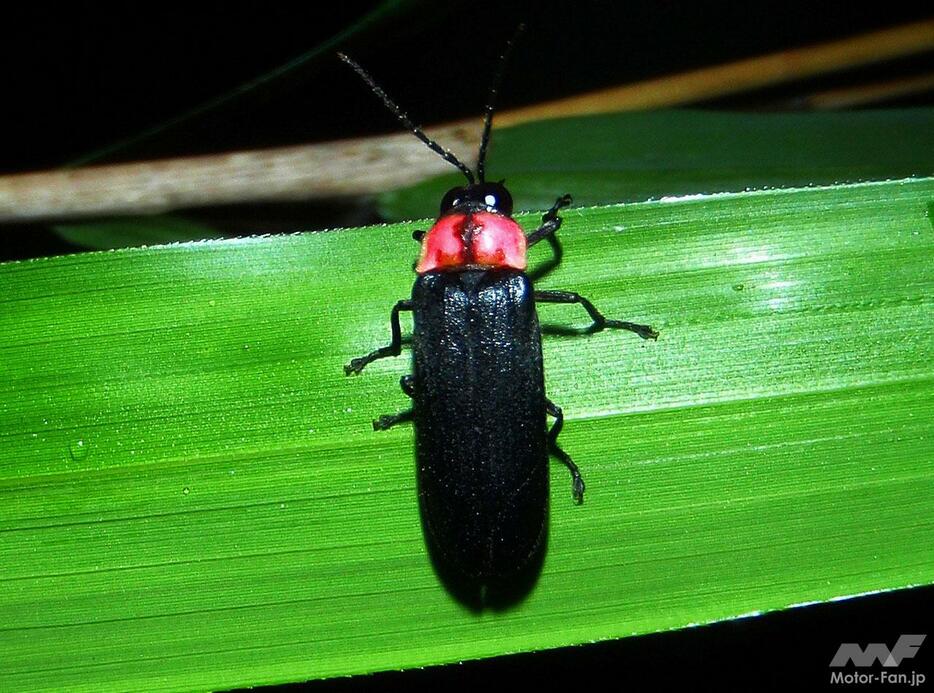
{"x":479,"y":410}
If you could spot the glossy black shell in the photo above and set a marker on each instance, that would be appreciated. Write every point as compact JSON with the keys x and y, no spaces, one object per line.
{"x":479,"y":413}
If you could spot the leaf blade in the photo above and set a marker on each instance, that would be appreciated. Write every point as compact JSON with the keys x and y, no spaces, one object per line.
{"x":231,"y":519}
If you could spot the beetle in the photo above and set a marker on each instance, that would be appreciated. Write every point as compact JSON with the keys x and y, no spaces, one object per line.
{"x":479,"y":404}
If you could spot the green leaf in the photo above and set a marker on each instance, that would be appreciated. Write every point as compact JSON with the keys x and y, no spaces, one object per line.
{"x":193,"y":498}
{"x":123,"y":232}
{"x":635,"y":156}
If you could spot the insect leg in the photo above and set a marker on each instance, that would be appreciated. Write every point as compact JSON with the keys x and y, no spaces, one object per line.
{"x":577,"y":481}
{"x":388,"y":420}
{"x":551,"y":222}
{"x":407,"y":383}
{"x":393,"y":349}
{"x":599,"y":321}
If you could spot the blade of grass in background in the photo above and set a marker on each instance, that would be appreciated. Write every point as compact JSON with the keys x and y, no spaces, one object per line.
{"x":627,"y":157}
{"x":127,"y":232}
{"x":636,"y":156}
{"x":191,"y":495}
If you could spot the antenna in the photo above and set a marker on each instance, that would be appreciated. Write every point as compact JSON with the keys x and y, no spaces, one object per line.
{"x":491,"y":102}
{"x":417,"y":131}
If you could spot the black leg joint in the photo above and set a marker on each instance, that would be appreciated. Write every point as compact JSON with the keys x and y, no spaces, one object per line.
{"x":600,"y":322}
{"x":389,"y":420}
{"x":394,"y":348}
{"x":551,"y":222}
{"x":577,"y":481}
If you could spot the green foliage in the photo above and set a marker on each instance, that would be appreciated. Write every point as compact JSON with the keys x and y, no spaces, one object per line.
{"x":628,"y":157}
{"x":192,"y":495}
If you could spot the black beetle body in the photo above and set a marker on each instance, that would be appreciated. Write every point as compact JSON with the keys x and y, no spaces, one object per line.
{"x":479,"y":412}
{"x":479,"y":403}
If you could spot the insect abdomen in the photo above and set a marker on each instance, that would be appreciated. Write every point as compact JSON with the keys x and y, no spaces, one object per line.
{"x":479,"y":411}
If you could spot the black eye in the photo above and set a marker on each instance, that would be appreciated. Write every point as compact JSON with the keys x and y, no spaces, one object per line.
{"x":451,"y":199}
{"x":495,"y":196}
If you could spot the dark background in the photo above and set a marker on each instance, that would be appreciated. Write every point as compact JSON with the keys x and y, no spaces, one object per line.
{"x":82,"y":76}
